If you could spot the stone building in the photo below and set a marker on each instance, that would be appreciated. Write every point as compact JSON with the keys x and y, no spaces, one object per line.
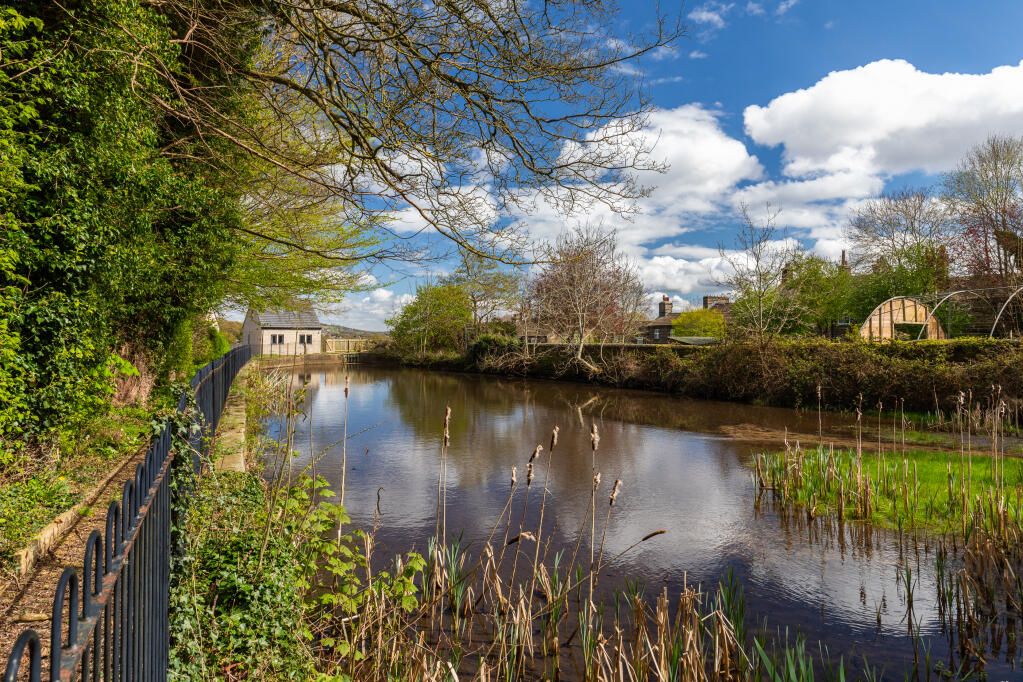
{"x":658,"y":329}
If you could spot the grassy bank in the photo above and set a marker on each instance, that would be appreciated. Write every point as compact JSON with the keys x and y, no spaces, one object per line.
{"x":43,"y":477}
{"x":37,"y":486}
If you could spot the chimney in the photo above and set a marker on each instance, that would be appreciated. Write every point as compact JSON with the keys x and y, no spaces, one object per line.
{"x":709,"y":302}
{"x":664,"y":309}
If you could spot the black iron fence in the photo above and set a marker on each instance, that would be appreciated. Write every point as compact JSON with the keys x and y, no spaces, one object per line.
{"x":110,"y":620}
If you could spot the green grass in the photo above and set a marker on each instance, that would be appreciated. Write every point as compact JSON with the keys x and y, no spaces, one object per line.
{"x":35,"y":489}
{"x":912,"y":492}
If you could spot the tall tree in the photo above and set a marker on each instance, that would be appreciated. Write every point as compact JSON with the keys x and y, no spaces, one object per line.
{"x":490,"y":287}
{"x":588,"y":292}
{"x":757,"y":274}
{"x":821,"y":289}
{"x":435,"y":320}
{"x":454,"y":111}
{"x":986,"y":194}
{"x":891,"y":228}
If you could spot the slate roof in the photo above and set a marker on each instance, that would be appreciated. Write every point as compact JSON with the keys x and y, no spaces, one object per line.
{"x":289,"y":319}
{"x":662,"y":321}
{"x":695,"y":340}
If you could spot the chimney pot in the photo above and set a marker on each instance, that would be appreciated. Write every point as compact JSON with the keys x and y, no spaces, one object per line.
{"x":664,"y":309}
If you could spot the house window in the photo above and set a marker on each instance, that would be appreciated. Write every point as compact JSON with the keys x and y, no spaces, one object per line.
{"x":276,"y":339}
{"x":657,"y":334}
{"x":305,"y":339}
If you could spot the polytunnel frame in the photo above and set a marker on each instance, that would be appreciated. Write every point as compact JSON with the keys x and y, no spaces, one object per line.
{"x":994,"y":325}
{"x":915,"y":300}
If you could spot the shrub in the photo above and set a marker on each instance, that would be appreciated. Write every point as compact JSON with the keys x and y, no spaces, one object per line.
{"x":235,"y":597}
{"x":699,"y":323}
{"x":494,"y":344}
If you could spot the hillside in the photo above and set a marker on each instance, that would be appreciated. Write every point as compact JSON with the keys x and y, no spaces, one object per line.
{"x":342,"y":332}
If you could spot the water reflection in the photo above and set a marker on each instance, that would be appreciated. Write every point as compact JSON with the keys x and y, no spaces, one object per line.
{"x":837,"y":582}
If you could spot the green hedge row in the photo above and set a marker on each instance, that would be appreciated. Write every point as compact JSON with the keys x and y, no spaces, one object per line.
{"x":919,"y":374}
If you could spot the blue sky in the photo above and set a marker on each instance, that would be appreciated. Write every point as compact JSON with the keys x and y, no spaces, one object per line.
{"x":812,"y":106}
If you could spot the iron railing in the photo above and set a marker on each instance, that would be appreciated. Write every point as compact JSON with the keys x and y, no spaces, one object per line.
{"x":110,"y":621}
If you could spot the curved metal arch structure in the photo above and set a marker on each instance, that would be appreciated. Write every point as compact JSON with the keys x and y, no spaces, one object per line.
{"x":987,"y":306}
{"x":1002,"y":310}
{"x":935,"y":309}
{"x":880,"y":324}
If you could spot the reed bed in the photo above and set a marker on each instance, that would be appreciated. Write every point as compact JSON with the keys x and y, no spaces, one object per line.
{"x":966,"y":505}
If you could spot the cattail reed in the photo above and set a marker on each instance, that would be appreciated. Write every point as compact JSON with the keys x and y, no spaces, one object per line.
{"x":344,"y":446}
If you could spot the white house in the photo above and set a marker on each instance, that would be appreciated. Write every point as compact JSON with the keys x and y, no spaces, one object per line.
{"x":283,"y":332}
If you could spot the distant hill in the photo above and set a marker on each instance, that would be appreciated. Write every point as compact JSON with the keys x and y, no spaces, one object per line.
{"x":341,"y":332}
{"x":231,"y":329}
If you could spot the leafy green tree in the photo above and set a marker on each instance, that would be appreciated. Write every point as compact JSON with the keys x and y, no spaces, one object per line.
{"x":821,"y":290}
{"x":117,"y":235}
{"x":699,"y":322}
{"x":435,"y":320}
{"x":489,"y":286}
{"x":920,"y":270}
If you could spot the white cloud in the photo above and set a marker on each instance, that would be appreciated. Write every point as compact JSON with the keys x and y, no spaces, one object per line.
{"x":845,"y":136}
{"x":705,"y":167}
{"x":667,"y":79}
{"x":697,"y":54}
{"x":842,"y":139}
{"x":683,"y":275}
{"x":754,"y":8}
{"x":711,"y":14}
{"x":785,"y":6}
{"x":664,"y":53}
{"x":888,"y":117}
{"x":368,"y":311}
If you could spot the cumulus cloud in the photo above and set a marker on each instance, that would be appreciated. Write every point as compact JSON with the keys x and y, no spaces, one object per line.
{"x":841,"y":139}
{"x":697,"y":54}
{"x":888,"y":117}
{"x":845,"y":136}
{"x":705,"y":166}
{"x":711,"y":15}
{"x":368,"y":311}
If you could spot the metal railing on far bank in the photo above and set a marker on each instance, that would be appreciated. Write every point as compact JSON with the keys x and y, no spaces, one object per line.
{"x":110,"y":618}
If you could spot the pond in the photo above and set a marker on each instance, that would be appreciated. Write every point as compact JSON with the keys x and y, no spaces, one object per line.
{"x":684,"y":467}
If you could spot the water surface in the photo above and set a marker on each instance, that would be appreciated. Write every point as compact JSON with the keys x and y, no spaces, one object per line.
{"x":682,"y":469}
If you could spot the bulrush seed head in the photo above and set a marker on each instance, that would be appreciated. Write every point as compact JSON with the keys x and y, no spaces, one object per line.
{"x":447,"y":422}
{"x":554,"y":437}
{"x":594,"y":436}
{"x":536,"y":453}
{"x":514,"y":479}
{"x":614,"y":492}
{"x":596,"y":480}
{"x":529,"y":474}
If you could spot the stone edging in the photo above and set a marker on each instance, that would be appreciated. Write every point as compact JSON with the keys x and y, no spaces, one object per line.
{"x":26,"y":558}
